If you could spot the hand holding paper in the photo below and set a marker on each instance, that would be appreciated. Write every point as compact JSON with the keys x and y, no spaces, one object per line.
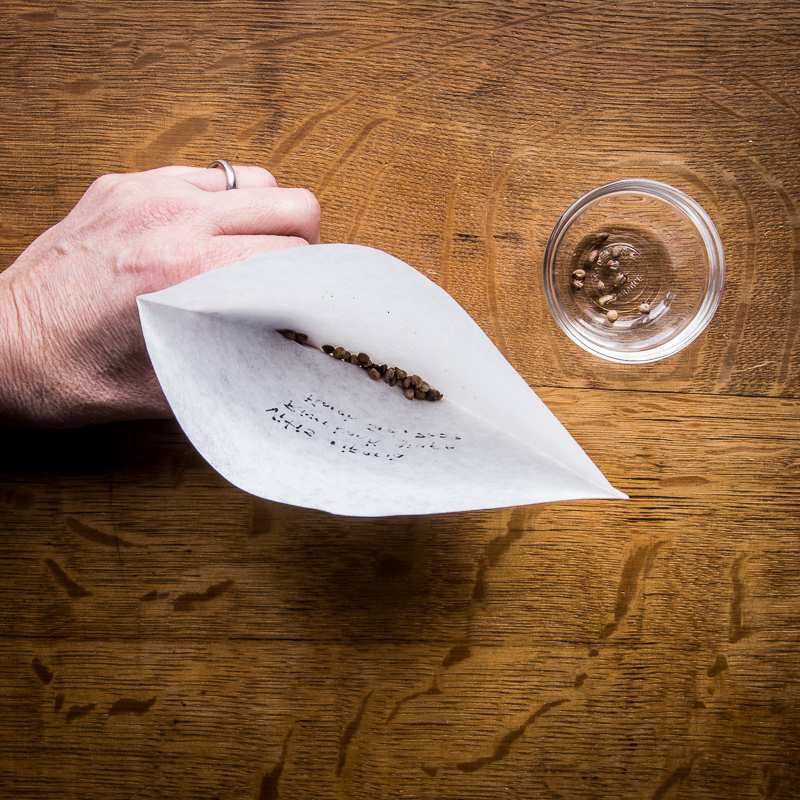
{"x":289,"y":423}
{"x":71,"y":345}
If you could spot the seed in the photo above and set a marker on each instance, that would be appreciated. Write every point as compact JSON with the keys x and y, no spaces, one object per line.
{"x":616,"y":252}
{"x":579,"y":274}
{"x":289,"y":334}
{"x":606,"y":299}
{"x":301,"y":338}
{"x":577,"y":284}
{"x":620,"y":279}
{"x":593,"y":256}
{"x":601,"y":287}
{"x":613,"y":264}
{"x":612,"y":315}
{"x":600,"y":237}
{"x":412,"y":385}
{"x":644,"y":308}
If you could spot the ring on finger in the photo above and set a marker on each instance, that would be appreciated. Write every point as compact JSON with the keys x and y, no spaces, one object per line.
{"x":229,"y":173}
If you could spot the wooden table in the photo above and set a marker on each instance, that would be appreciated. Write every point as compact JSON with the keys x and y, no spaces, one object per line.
{"x":166,"y":635}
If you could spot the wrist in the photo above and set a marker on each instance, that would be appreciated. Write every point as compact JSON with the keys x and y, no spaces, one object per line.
{"x":16,"y":407}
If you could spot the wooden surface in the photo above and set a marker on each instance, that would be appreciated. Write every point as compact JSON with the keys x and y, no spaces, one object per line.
{"x":166,"y":636}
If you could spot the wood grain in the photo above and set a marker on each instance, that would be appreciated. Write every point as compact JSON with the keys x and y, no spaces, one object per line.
{"x":165,"y":635}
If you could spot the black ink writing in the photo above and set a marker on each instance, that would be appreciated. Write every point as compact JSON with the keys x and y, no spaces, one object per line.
{"x":352,"y":436}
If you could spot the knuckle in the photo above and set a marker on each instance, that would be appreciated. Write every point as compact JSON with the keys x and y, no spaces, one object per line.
{"x":294,"y":241}
{"x":103,"y":187}
{"x":140,"y":206}
{"x":117,"y":191}
{"x":106,"y":182}
{"x":265,"y":176}
{"x":307,"y":205}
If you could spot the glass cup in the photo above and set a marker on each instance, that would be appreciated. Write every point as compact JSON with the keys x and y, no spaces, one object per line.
{"x":633,"y":271}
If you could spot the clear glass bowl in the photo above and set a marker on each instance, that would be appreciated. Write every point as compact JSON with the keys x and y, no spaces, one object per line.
{"x":633,"y":271}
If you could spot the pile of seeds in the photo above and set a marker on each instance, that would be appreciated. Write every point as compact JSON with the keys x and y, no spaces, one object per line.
{"x":615,"y":277}
{"x":413,"y":387}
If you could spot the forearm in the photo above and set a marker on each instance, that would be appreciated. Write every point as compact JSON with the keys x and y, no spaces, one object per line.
{"x":15,"y":407}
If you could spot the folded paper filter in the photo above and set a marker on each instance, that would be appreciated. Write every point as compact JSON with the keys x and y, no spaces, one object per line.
{"x":289,"y":423}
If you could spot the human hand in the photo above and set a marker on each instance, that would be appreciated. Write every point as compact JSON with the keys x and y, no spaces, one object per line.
{"x":71,"y":346}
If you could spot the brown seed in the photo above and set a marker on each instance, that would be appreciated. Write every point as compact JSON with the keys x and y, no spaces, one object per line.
{"x":612,"y":315}
{"x":616,"y":252}
{"x":289,"y":334}
{"x":593,"y":256}
{"x":613,"y":264}
{"x":579,"y":274}
{"x":601,"y":287}
{"x":600,"y":237}
{"x":301,"y":338}
{"x":577,"y":284}
{"x":606,"y":299}
{"x":620,"y":279}
{"x":644,"y":308}
{"x":412,"y":385}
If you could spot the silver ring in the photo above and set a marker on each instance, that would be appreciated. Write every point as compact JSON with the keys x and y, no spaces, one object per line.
{"x":229,"y":173}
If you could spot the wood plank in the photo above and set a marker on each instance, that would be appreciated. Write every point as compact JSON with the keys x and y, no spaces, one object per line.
{"x":165,"y":635}
{"x":624,"y":646}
